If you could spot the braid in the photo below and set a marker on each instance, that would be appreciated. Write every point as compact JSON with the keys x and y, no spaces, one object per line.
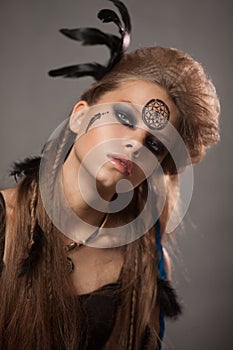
{"x":60,"y":149}
{"x":59,"y":154}
{"x":32,"y":238}
{"x":35,"y":235}
{"x":32,"y":208}
{"x":55,"y":152}
{"x":54,"y":268}
{"x":47,"y":260}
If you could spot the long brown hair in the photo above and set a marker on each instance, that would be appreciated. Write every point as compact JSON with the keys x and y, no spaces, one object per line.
{"x":38,"y":307}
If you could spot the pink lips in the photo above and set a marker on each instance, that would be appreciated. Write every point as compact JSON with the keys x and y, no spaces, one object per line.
{"x":123,"y":165}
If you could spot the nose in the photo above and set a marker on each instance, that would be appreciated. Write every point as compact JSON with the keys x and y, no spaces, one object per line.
{"x":133,"y":147}
{"x":135,"y":142}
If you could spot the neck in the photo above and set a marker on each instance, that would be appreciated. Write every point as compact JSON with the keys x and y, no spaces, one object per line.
{"x":83,"y":197}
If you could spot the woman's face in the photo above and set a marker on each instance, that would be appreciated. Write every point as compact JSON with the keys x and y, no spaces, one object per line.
{"x":117,"y":142}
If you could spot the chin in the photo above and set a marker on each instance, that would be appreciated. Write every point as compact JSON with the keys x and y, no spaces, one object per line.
{"x":106,"y":181}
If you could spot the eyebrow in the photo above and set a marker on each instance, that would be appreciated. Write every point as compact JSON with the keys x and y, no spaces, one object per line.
{"x":133,"y":106}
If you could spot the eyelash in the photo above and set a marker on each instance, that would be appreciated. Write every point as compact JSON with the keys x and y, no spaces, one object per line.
{"x":125,"y":118}
{"x":157,"y":148}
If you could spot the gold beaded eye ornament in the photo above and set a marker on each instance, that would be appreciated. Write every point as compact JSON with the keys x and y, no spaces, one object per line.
{"x":155,"y":114}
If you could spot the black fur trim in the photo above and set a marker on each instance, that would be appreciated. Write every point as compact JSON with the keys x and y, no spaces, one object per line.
{"x":35,"y":252}
{"x":167,"y":300}
{"x":29,"y":167}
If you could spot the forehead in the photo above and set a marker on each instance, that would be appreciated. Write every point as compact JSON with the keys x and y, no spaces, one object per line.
{"x":140,"y":92}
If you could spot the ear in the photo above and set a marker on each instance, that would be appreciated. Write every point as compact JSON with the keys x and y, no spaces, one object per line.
{"x":77,"y":116}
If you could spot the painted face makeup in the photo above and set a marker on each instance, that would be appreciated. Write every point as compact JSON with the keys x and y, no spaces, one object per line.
{"x":116,"y":149}
{"x":155,"y":114}
{"x":93,"y":119}
{"x":153,"y":117}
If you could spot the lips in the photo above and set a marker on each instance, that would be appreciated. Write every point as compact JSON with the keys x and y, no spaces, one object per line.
{"x":123,"y":165}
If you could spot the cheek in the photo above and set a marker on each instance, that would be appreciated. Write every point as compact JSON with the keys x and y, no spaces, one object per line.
{"x":87,"y":142}
{"x":81,"y":148}
{"x":162,"y":157}
{"x":137,"y":176}
{"x":96,"y":136}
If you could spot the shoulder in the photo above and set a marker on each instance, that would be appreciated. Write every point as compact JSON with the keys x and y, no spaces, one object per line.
{"x":9,"y":202}
{"x":10,"y":197}
{"x":7,"y":214}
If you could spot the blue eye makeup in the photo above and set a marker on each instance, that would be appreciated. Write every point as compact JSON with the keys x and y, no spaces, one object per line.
{"x":124,"y":115}
{"x":155,"y":146}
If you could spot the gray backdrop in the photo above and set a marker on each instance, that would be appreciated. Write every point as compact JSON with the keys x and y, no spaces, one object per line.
{"x":32,"y":105}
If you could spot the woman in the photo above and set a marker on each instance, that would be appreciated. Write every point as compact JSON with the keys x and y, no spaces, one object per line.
{"x":61,"y":288}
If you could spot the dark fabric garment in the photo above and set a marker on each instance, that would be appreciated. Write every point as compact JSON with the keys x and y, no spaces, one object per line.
{"x":100,"y":309}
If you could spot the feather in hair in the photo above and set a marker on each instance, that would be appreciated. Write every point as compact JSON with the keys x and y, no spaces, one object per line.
{"x":93,"y":36}
{"x":28,"y":166}
{"x":34,"y":253}
{"x":80,"y":70}
{"x":110,"y":16}
{"x":167,"y":300}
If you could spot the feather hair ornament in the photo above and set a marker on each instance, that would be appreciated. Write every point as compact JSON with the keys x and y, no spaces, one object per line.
{"x":92,"y":36}
{"x":28,"y":167}
{"x":34,"y":253}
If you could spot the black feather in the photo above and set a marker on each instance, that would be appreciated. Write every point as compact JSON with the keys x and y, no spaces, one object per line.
{"x":29,"y":166}
{"x":167,"y":299}
{"x":34,"y":254}
{"x":107,"y":16}
{"x":92,"y":69}
{"x":92,"y":36}
{"x":124,"y":14}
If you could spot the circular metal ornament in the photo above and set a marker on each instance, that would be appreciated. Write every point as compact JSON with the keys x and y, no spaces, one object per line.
{"x":155,"y":114}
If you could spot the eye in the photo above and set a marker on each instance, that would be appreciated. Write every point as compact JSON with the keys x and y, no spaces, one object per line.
{"x":125,"y":117}
{"x":155,"y":146}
